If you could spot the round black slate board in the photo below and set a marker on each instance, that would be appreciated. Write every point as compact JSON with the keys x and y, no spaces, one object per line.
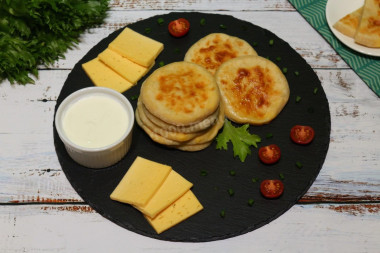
{"x":95,"y":186}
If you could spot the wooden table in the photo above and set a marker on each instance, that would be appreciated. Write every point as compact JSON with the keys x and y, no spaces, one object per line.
{"x":41,"y":212}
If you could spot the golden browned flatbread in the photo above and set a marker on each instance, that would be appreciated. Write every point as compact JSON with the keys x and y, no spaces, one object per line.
{"x":180,"y":93}
{"x":349,"y":23}
{"x":192,"y":128}
{"x":253,"y":89}
{"x":175,"y":136}
{"x":214,"y":49}
{"x":205,"y":137}
{"x":368,"y":33}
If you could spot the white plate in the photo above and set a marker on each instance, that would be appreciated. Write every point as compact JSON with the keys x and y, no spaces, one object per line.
{"x":337,"y":9}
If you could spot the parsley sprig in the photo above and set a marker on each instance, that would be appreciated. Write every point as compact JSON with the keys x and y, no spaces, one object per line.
{"x":240,"y":137}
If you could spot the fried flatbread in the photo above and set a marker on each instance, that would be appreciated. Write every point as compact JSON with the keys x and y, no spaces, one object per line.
{"x":368,"y":33}
{"x":253,"y":89}
{"x":180,"y":93}
{"x":349,"y":23}
{"x":214,"y":49}
{"x":192,"y":128}
{"x":175,"y":136}
{"x":205,"y":137}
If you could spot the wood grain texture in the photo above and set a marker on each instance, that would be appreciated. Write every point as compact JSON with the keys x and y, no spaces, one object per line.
{"x":40,"y":211}
{"x":304,"y":228}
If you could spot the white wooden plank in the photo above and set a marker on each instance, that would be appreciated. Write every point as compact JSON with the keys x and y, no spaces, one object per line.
{"x":212,"y":5}
{"x":304,"y":228}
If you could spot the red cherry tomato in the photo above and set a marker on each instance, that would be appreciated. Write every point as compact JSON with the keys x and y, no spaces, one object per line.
{"x":272,"y":188}
{"x":179,"y":27}
{"x":270,"y":154}
{"x":302,"y":134}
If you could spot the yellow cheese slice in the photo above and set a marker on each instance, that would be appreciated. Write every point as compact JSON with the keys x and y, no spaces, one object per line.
{"x":103,"y":76}
{"x":172,"y":189}
{"x":141,"y":181}
{"x":136,"y":47}
{"x":124,"y":67}
{"x":180,"y":210}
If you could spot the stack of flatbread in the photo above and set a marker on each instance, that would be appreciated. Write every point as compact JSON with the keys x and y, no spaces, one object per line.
{"x":363,"y":25}
{"x":179,"y":106}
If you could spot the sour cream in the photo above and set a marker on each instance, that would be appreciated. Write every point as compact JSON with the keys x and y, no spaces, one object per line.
{"x":95,"y":121}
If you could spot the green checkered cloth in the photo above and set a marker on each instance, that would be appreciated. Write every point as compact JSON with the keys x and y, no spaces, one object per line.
{"x":367,"y":67}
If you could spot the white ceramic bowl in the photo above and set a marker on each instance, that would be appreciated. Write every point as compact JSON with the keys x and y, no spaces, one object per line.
{"x":99,"y":157}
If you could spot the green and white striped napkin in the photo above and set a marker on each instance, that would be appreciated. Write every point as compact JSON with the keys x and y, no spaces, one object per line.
{"x":367,"y":67}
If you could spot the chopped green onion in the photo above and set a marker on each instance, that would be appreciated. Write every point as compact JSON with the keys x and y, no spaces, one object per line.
{"x":284,"y":70}
{"x":203,"y":21}
{"x":296,"y":73}
{"x":299,"y":165}
{"x":160,"y":21}
{"x":161,"y":64}
{"x":282,"y":177}
{"x":250,"y":202}
{"x":223,"y":26}
{"x":254,"y":180}
{"x":298,"y":99}
{"x":254,"y":44}
{"x":269,"y":136}
{"x":231,"y":192}
{"x":134,"y":97}
{"x":271,"y":42}
{"x":148,"y":30}
{"x":222,"y":213}
{"x":232,"y":172}
{"x":204,"y":173}
{"x":278,"y":58}
{"x":176,"y":50}
{"x":315,"y":90}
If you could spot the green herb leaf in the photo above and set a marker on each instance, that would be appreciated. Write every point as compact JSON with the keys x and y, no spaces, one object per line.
{"x":160,"y":21}
{"x":271,"y":42}
{"x":298,"y":99}
{"x":315,"y":90}
{"x":39,"y":32}
{"x":231,"y":192}
{"x":251,"y":202}
{"x":223,"y":26}
{"x":222,"y":214}
{"x":232,"y":172}
{"x":204,"y":173}
{"x":202,"y":22}
{"x":299,"y":165}
{"x":240,"y":137}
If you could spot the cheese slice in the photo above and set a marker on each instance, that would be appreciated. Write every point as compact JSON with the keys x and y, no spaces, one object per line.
{"x":103,"y":76}
{"x":180,"y":210}
{"x":124,"y":67}
{"x":141,"y":181}
{"x":172,"y":189}
{"x":136,"y":47}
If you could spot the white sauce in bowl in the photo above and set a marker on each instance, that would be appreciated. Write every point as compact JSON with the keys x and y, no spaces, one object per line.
{"x":95,"y":121}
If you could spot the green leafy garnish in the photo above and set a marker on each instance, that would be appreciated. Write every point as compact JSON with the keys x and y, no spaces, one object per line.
{"x":231,"y":192}
{"x":39,"y":32}
{"x":240,"y":137}
{"x":148,"y":30}
{"x":298,"y":99}
{"x":271,"y":42}
{"x":251,"y":202}
{"x":223,"y":26}
{"x":204,"y":173}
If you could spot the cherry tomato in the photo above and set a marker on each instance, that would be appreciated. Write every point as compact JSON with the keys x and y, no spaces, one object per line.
{"x":302,"y":134}
{"x":179,"y":27}
{"x":269,"y":154}
{"x":272,"y":188}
